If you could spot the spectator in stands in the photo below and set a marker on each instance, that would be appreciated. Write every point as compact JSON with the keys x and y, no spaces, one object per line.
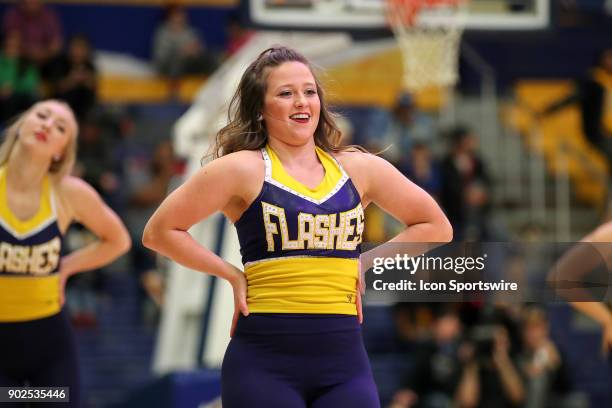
{"x":466,"y":186}
{"x":40,"y":29}
{"x":74,"y":76}
{"x":95,"y":160}
{"x":418,"y":166}
{"x":148,"y":185}
{"x":395,"y":131}
{"x":493,"y":378}
{"x":177,"y":49}
{"x":412,"y":323}
{"x":593,"y":94}
{"x":540,"y":362}
{"x":19,"y":80}
{"x":408,"y":125}
{"x":421,"y":168}
{"x":440,"y":376}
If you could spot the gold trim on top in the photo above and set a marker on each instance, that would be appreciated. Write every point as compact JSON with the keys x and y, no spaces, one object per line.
{"x":21,"y":229}
{"x":335,"y":177}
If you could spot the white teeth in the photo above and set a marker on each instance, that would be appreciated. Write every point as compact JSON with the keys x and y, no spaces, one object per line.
{"x":300,"y":116}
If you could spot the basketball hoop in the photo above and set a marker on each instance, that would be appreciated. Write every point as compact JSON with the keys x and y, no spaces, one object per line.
{"x":428,"y":33}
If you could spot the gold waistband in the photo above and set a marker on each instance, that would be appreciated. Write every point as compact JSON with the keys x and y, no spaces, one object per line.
{"x":27,"y":298}
{"x":302,"y":285}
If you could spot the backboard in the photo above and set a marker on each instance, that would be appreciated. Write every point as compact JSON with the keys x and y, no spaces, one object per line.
{"x":355,"y":15}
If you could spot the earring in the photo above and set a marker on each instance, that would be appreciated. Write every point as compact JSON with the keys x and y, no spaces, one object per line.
{"x":260,"y":117}
{"x":57,"y":158}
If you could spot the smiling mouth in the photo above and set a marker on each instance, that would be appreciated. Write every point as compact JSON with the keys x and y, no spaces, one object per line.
{"x":41,"y":136}
{"x":300,"y":118}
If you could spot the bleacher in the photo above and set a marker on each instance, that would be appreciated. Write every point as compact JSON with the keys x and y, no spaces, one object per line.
{"x":559,"y":137}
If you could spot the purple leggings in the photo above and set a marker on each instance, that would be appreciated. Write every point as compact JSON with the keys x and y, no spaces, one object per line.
{"x":295,"y":361}
{"x":43,"y":353}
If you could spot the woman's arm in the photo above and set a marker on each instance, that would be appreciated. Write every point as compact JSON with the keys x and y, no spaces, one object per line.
{"x":381,"y":183}
{"x":228,"y":184}
{"x":86,"y":207}
{"x":395,"y":194}
{"x":595,"y":310}
{"x":219,"y":186}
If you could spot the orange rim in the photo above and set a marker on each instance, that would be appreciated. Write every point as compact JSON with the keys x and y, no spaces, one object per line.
{"x":407,"y":10}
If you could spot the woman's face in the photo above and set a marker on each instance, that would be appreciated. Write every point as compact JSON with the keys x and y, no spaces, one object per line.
{"x":47,"y":128}
{"x":79,"y":50}
{"x":291,"y":103}
{"x":535,"y":333}
{"x":177,"y":19}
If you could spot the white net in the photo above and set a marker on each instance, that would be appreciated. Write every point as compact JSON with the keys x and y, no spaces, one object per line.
{"x":428,"y":34}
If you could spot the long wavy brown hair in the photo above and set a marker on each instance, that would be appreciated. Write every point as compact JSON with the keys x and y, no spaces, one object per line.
{"x":245,"y":132}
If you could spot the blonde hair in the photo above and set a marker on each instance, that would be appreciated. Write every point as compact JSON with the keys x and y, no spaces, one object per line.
{"x":58,"y":169}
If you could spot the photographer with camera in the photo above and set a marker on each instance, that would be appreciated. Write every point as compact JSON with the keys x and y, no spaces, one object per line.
{"x":491,"y":377}
{"x":439,"y":376}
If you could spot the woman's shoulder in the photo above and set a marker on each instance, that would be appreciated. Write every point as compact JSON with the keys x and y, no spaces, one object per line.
{"x":359,"y":166}
{"x":245,"y":155}
{"x":70,"y":185}
{"x":73,"y":192}
{"x":73,"y":197}
{"x":245,"y":164}
{"x":243,"y":159}
{"x":357,"y":160}
{"x":239,"y":174}
{"x":365,"y":169}
{"x":603,"y":233}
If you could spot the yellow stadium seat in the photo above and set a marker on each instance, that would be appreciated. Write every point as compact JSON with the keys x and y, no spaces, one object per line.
{"x":188,"y":88}
{"x":558,"y":135}
{"x":122,"y":89}
{"x":376,"y":81}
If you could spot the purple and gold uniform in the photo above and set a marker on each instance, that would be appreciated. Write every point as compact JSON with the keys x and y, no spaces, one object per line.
{"x":29,"y":259}
{"x":30,"y":310}
{"x":301,"y":344}
{"x":300,"y":247}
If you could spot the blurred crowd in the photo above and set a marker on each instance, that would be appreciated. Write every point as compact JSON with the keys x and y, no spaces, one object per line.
{"x":444,"y":162}
{"x":472,"y":355}
{"x":36,"y":60}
